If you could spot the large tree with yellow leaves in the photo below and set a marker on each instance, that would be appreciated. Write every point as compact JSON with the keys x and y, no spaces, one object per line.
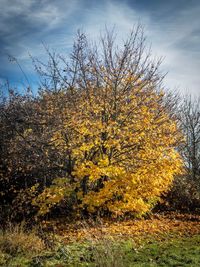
{"x":115,"y":127}
{"x":103,"y":129}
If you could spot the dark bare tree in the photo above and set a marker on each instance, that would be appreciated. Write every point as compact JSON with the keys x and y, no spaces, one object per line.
{"x":190,"y":124}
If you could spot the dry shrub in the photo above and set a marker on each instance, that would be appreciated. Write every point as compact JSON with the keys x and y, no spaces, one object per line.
{"x":183,"y":196}
{"x":17,"y":240}
{"x":109,"y":254}
{"x":103,"y":250}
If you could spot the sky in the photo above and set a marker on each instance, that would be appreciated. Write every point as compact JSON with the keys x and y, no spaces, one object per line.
{"x":172,"y":28}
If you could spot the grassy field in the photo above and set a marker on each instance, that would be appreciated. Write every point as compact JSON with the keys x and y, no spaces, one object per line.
{"x":154,"y":248}
{"x":171,"y":252}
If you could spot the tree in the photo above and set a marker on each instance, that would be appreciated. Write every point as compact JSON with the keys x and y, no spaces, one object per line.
{"x":115,"y":128}
{"x":185,"y":192}
{"x":101,"y":137}
{"x":190,"y":122}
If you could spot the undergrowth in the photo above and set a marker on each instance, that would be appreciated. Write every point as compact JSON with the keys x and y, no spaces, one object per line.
{"x":20,"y":247}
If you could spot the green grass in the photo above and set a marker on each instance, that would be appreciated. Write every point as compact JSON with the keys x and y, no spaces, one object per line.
{"x":20,"y":249}
{"x":172,"y":252}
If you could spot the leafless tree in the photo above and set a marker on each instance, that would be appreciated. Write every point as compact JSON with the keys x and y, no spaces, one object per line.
{"x":190,"y":124}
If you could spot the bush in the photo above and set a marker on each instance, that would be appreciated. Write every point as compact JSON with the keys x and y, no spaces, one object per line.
{"x":183,"y":196}
{"x":16,"y":240}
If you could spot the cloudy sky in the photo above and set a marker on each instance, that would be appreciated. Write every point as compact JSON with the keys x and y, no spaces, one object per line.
{"x":172,"y":28}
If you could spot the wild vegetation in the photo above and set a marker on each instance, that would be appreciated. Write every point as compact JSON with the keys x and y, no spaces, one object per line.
{"x":159,"y":241}
{"x":101,"y":138}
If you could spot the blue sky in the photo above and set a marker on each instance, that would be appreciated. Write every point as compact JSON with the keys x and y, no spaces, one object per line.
{"x":172,"y":28}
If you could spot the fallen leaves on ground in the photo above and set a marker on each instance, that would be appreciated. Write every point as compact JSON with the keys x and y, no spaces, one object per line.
{"x":158,"y":226}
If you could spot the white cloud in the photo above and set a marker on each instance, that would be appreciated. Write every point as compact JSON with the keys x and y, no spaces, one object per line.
{"x":182,"y":64}
{"x":177,"y":42}
{"x":176,"y":38}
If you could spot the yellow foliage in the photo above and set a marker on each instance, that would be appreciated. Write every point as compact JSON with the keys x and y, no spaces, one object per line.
{"x":121,"y":146}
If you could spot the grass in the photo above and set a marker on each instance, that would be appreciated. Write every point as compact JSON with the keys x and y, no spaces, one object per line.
{"x":20,"y":248}
{"x":182,"y":251}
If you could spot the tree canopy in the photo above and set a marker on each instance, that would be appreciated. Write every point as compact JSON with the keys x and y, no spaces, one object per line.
{"x":100,"y":137}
